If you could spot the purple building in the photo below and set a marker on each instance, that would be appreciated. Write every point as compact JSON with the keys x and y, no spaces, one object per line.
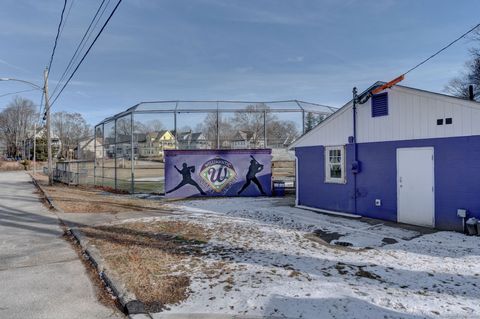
{"x":413,"y":158}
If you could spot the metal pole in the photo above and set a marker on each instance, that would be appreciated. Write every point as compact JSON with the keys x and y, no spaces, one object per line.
{"x":35,"y":148}
{"x":355,"y":159}
{"x":103,"y":154}
{"x":49,"y":138}
{"x":115,"y":152}
{"x":303,"y":122}
{"x":218,"y":129}
{"x":175,"y":129}
{"x":264,"y":129}
{"x":94,"y":156}
{"x":132,"y":155}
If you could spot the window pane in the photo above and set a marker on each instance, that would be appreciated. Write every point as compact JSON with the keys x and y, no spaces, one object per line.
{"x":336,"y":171}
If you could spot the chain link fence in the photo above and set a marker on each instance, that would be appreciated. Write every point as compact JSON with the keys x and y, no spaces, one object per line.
{"x":128,"y":147}
{"x":74,"y":172}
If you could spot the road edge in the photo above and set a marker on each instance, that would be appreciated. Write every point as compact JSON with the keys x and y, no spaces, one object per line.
{"x":130,"y":304}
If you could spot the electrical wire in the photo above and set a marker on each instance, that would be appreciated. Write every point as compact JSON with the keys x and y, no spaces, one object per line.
{"x":66,"y":17}
{"x":29,"y":90}
{"x":57,"y":36}
{"x":442,"y":49}
{"x":86,"y":53}
{"x":80,"y":45}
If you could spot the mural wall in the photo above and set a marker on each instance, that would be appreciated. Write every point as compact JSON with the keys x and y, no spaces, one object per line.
{"x":191,"y":173}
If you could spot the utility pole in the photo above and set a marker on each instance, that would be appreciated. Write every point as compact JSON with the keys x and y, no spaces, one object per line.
{"x":49,"y":138}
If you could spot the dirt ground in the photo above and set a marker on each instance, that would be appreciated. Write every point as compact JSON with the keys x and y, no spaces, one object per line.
{"x":84,"y":199}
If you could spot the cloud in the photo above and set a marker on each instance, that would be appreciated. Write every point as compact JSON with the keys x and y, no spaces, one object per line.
{"x":296,"y":59}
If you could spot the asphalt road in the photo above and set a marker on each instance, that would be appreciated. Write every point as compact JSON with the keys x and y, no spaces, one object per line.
{"x":41,"y":275}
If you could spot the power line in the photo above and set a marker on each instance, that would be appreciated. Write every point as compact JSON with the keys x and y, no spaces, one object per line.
{"x":86,"y":53}
{"x":57,"y":36}
{"x":80,"y":45}
{"x":29,"y":90}
{"x":66,"y":17}
{"x":442,"y":49}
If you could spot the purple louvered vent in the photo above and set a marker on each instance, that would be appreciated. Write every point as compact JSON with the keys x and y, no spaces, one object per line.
{"x":380,"y":105}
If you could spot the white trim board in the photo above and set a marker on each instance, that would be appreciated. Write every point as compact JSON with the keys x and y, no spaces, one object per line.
{"x":329,"y":212}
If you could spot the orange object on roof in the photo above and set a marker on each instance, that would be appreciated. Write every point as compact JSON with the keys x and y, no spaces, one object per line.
{"x":389,"y":84}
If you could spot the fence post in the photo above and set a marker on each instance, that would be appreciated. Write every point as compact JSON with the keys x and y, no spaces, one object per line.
{"x":218,"y":128}
{"x":132,"y":155}
{"x":115,"y":153}
{"x":95,"y":157}
{"x":303,"y":121}
{"x":265,"y":128}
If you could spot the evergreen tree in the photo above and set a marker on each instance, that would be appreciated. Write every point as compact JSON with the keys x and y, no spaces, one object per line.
{"x":310,"y":121}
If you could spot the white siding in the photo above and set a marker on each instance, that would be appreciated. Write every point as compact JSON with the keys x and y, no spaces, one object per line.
{"x":412,"y":114}
{"x":334,"y":131}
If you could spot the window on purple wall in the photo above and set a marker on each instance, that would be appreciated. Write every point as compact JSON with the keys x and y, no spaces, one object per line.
{"x":380,"y":105}
{"x":335,"y":164}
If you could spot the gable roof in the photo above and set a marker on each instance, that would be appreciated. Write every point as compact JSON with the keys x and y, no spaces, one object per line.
{"x":243,"y":135}
{"x":349,"y":104}
{"x":191,"y":136}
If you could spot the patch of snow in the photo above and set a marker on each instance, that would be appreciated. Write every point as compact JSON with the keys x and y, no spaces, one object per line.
{"x":272,"y":269}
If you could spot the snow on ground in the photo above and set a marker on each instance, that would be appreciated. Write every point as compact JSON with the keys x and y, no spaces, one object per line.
{"x":272,"y":269}
{"x":279,"y":211}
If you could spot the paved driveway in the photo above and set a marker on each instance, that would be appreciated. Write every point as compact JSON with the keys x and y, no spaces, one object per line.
{"x":40,"y":274}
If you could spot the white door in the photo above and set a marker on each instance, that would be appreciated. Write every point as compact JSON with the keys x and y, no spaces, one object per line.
{"x":415,"y":191}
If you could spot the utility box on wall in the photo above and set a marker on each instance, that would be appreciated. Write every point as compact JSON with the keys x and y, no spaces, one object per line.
{"x":190,"y":173}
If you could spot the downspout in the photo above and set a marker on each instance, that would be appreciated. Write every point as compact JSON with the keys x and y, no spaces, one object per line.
{"x":296,"y":180}
{"x":355,"y":154}
{"x":362,"y":99}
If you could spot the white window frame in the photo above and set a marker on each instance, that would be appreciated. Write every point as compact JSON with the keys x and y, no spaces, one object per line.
{"x":327,"y":164}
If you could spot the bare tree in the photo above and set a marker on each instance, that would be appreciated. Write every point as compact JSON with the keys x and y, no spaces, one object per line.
{"x":459,"y":86}
{"x":252,"y":119}
{"x":210,"y":129}
{"x":281,"y":133}
{"x":155,"y":125}
{"x":124,"y":126}
{"x":69,"y":128}
{"x":16,"y":125}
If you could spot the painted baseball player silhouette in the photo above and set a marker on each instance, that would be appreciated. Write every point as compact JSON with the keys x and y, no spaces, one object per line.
{"x":254,"y":168}
{"x":186,"y":172}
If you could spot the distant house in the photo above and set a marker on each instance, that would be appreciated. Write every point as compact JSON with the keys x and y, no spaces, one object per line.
{"x":121,"y":145}
{"x":86,"y":149}
{"x":155,"y":143}
{"x":192,"y":141}
{"x":281,"y":142}
{"x":247,"y":139}
{"x":55,"y":140}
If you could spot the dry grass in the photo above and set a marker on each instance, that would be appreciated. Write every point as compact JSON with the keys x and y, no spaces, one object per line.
{"x":82,"y":199}
{"x":11,"y":166}
{"x":154,"y":260}
{"x":17,"y":166}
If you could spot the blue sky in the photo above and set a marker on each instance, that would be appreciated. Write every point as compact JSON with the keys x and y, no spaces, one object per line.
{"x":233,"y":50}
